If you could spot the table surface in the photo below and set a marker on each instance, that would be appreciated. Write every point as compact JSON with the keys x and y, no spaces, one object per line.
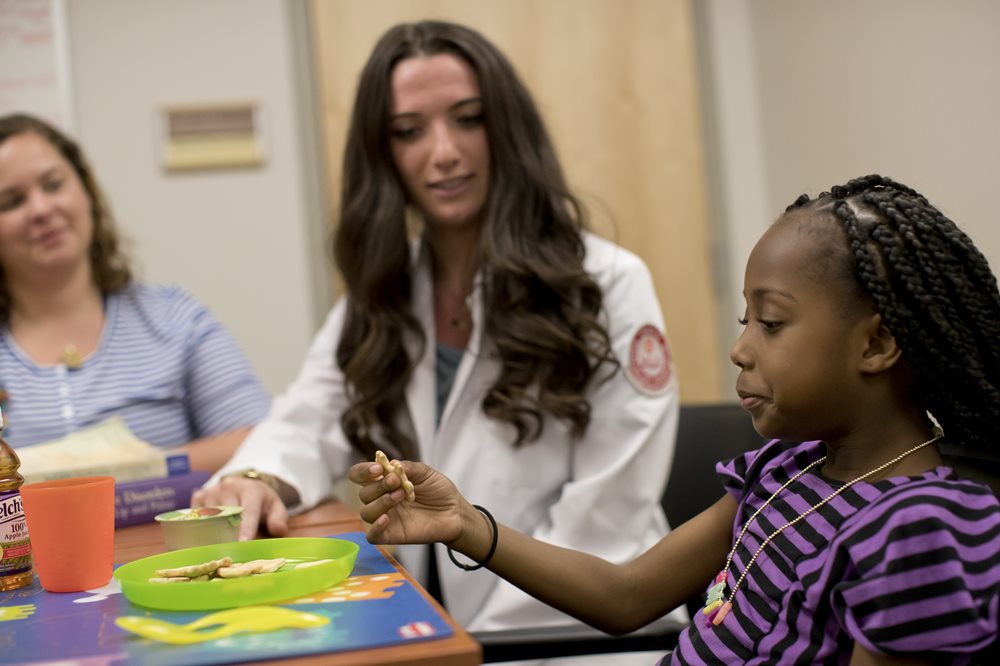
{"x":132,"y":543}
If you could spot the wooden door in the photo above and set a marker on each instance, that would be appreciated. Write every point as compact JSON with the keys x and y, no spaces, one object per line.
{"x":616,"y":82}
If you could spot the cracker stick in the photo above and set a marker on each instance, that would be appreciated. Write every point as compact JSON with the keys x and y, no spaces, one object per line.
{"x":397,"y":467}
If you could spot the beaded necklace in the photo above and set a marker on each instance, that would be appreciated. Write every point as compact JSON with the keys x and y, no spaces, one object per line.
{"x":716,"y":609}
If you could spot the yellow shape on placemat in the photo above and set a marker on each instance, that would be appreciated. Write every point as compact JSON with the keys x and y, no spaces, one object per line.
{"x":9,"y":613}
{"x":226,"y":623}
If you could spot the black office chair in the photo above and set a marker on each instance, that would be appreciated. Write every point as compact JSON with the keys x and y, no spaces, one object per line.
{"x":706,"y":434}
{"x":980,"y":466}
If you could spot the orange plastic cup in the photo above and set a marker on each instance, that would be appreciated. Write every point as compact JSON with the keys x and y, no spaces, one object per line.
{"x":71,"y":524}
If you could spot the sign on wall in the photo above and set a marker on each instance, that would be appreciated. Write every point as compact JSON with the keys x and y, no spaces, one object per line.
{"x":209,"y":136}
{"x":34,"y":61}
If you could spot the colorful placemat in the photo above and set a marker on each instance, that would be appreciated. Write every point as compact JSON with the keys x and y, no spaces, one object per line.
{"x":375,"y":607}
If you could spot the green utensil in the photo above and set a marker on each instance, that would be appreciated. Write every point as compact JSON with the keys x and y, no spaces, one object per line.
{"x":225,"y":623}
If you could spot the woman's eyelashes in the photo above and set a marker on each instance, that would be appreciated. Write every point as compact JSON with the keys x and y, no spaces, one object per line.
{"x":405,"y":133}
{"x":471,"y":119}
{"x":409,"y":132}
{"x":10,"y":201}
{"x":13,"y":199}
{"x":53,"y":185}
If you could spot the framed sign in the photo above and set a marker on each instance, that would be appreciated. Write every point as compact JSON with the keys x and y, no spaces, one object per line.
{"x":212,"y":136}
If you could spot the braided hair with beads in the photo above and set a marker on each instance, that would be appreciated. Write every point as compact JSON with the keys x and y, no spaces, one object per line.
{"x":936,"y":294}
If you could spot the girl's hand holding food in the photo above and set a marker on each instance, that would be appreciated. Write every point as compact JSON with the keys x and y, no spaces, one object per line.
{"x":438,"y":512}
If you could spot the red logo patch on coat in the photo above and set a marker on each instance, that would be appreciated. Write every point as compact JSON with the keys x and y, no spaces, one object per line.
{"x":649,"y":366}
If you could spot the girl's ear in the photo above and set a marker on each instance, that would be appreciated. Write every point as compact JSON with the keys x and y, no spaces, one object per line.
{"x":881,"y":351}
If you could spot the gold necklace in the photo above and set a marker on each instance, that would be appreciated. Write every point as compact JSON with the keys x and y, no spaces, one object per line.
{"x":462,"y":320}
{"x":716,"y":610}
{"x":71,"y":357}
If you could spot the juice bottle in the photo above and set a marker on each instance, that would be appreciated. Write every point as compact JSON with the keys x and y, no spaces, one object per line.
{"x":15,"y":549}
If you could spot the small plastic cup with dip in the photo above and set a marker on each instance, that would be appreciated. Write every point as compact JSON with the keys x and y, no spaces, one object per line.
{"x":185,"y":528}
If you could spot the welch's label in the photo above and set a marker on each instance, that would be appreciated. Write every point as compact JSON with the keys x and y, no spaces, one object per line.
{"x":15,"y":549}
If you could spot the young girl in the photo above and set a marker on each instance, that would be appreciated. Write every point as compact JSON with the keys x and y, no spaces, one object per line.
{"x":869,"y":317}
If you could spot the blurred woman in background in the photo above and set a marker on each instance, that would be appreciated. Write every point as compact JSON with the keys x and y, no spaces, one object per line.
{"x":81,"y":340}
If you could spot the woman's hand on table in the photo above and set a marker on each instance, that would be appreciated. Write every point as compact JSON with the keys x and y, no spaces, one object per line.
{"x":439,"y":512}
{"x":262,"y":507}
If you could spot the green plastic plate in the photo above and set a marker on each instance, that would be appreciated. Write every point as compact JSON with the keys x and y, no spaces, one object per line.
{"x":333,"y":561}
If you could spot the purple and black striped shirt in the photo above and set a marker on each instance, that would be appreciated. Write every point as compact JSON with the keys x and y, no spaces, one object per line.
{"x":904,"y":565}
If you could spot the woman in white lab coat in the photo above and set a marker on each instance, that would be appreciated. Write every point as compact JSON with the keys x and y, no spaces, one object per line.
{"x":499,"y":342}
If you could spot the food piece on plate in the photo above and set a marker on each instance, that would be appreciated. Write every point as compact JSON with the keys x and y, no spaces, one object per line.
{"x":397,"y":467}
{"x":251,"y":567}
{"x":195,"y":570}
{"x":303,"y":565}
{"x":218,"y":570}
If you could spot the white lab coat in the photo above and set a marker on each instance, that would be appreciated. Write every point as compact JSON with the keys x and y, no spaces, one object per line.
{"x":600,"y":494}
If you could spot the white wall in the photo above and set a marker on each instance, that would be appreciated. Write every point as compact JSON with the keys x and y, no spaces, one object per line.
{"x":806,"y":94}
{"x":799,"y":95}
{"x":246,"y":242}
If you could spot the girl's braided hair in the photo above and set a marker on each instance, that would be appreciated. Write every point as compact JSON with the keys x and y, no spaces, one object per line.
{"x":936,"y":294}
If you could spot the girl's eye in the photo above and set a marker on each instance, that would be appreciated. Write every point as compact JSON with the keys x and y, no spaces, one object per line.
{"x":767,"y":324}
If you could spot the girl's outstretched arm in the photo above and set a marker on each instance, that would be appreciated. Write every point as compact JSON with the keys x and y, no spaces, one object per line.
{"x":613,"y":598}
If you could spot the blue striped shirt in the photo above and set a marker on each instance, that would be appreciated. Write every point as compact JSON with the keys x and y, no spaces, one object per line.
{"x":163,"y":364}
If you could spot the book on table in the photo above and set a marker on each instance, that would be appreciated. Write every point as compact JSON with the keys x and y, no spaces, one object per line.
{"x":148,"y":480}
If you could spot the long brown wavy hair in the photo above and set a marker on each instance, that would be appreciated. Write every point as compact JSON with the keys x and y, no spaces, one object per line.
{"x":110,"y":266}
{"x":542,"y":309}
